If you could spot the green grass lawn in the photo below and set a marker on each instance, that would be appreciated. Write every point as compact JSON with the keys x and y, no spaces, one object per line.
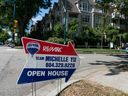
{"x":93,"y":51}
{"x":98,"y":51}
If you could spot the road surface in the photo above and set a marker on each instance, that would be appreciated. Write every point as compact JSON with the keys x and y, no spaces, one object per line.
{"x":11,"y":63}
{"x":13,"y":60}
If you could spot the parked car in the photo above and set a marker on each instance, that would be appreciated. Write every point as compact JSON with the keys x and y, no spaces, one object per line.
{"x":11,"y":45}
{"x":125,"y":49}
{"x":1,"y":43}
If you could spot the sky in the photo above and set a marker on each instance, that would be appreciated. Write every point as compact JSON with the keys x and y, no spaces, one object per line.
{"x":41,"y":13}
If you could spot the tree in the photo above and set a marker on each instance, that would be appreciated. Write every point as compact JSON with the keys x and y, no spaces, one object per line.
{"x":106,"y":7}
{"x":99,"y":34}
{"x":112,"y":34}
{"x":86,"y":35}
{"x":58,"y":31}
{"x":121,"y":14}
{"x":25,"y":10}
{"x":3,"y":13}
{"x":35,"y":35}
{"x":73,"y":28}
{"x":125,"y":37}
{"x":3,"y":35}
{"x":121,"y":7}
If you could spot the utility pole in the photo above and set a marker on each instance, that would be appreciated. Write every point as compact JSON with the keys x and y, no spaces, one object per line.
{"x":65,"y":25}
{"x":65,"y":31}
{"x":14,"y":13}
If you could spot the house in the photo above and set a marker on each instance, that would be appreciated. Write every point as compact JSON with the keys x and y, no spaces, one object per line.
{"x":85,"y":11}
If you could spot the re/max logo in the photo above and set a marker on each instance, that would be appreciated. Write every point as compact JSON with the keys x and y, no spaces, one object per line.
{"x":33,"y":45}
{"x":52,"y":49}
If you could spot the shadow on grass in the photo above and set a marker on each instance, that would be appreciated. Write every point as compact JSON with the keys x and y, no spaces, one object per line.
{"x":115,"y":67}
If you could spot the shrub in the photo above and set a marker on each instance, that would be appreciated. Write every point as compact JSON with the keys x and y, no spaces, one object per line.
{"x":56,"y":40}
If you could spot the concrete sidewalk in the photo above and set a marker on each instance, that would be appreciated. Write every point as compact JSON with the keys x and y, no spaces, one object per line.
{"x":53,"y":89}
{"x":91,"y":70}
{"x":116,"y":81}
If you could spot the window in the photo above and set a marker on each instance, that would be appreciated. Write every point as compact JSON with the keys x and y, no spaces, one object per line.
{"x":96,"y":20}
{"x":98,"y":1}
{"x":86,"y":18}
{"x":84,"y":6}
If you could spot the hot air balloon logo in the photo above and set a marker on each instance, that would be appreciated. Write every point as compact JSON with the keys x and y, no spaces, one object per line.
{"x":33,"y":48}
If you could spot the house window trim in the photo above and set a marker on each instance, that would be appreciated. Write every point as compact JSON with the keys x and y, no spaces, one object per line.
{"x":86,"y":18}
{"x":84,"y":6}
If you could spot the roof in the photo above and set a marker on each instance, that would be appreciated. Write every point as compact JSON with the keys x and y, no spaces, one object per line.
{"x":71,"y":6}
{"x":90,"y":1}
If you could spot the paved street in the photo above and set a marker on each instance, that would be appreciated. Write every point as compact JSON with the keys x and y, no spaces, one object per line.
{"x":11,"y":63}
{"x":100,"y":68}
{"x":95,"y":67}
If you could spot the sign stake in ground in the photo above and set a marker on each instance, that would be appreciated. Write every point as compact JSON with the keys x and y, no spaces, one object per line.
{"x":47,"y":61}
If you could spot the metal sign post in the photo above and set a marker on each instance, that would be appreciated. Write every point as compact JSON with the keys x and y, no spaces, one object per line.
{"x":48,"y":61}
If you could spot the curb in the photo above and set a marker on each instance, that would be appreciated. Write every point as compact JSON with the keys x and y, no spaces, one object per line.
{"x":64,"y":85}
{"x":51,"y":89}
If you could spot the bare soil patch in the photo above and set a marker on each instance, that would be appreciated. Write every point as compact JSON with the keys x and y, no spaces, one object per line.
{"x":88,"y":88}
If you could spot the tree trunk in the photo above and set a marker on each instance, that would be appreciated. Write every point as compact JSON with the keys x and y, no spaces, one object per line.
{"x":21,"y":29}
{"x":21,"y":32}
{"x":102,"y":41}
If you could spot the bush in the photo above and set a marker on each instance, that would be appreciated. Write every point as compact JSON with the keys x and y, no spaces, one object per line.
{"x":56,"y":40}
{"x":3,"y":36}
{"x":18,"y":42}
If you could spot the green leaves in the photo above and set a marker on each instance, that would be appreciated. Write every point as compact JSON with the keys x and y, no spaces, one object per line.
{"x":73,"y":27}
{"x":58,"y":31}
{"x":3,"y":36}
{"x":24,"y":11}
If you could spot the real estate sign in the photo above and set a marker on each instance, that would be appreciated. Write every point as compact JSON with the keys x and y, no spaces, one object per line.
{"x":48,"y":61}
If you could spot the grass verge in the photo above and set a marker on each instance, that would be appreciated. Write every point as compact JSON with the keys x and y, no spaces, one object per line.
{"x":98,"y":51}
